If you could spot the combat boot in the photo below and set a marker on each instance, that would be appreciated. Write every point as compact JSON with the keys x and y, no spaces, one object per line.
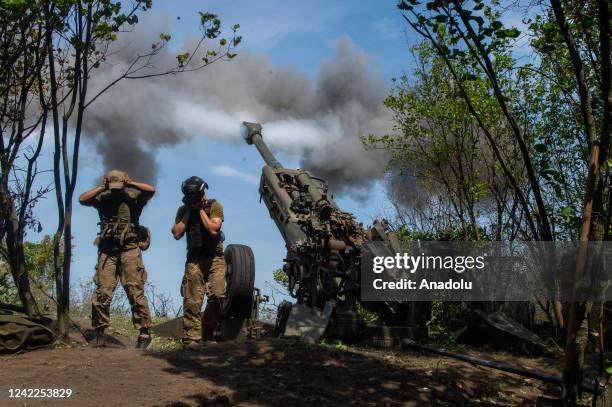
{"x":144,"y":340}
{"x":100,"y":339}
{"x":208,"y":336}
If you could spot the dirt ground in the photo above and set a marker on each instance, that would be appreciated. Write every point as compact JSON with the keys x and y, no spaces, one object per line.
{"x":267,"y":372}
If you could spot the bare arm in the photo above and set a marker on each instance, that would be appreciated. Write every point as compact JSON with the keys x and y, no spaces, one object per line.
{"x":178,"y":229}
{"x":212,"y":226}
{"x":147,"y":190}
{"x":86,"y":197}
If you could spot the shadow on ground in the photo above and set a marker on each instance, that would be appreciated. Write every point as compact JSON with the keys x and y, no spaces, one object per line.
{"x":291,"y":373}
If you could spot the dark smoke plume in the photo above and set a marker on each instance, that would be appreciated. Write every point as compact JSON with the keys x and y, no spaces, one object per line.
{"x":320,"y":122}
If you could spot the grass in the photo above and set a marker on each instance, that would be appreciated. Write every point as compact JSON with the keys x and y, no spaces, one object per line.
{"x":121,"y":324}
{"x":335,"y":344}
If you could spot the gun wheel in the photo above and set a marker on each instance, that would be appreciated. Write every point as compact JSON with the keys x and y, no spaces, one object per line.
{"x":240,"y":281}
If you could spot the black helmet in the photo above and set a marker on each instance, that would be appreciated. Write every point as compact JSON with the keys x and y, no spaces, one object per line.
{"x":193,"y":186}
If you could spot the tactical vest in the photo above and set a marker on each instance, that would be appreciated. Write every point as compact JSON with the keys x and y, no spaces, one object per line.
{"x":117,"y":231}
{"x":200,"y":244}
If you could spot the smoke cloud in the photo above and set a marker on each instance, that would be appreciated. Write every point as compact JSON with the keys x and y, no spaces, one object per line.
{"x":320,"y":121}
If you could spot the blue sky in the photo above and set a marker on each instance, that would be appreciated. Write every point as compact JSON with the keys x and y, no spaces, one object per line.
{"x":297,"y":34}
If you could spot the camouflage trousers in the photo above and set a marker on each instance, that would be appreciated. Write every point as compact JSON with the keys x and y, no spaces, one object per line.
{"x":126,"y":265}
{"x":202,"y":277}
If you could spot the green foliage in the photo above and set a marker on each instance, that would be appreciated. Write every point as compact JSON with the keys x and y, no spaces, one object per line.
{"x":211,"y":24}
{"x":405,"y":234}
{"x":437,"y":143}
{"x":281,"y":278}
{"x":446,"y":318}
{"x":166,"y":344}
{"x":461,"y":39}
{"x":447,"y":15}
{"x":368,"y":317}
{"x":8,"y":291}
{"x":457,"y":234}
{"x":333,"y":344}
{"x":39,"y":264}
{"x":182,"y":58}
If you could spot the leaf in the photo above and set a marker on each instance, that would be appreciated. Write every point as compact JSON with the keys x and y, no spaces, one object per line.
{"x":206,"y":17}
{"x":402,"y":5}
{"x":478,"y":19}
{"x":513,"y":33}
{"x":540,"y":148}
{"x":469,"y":77}
{"x":510,"y":33}
{"x":567,"y":212}
{"x":182,"y":58}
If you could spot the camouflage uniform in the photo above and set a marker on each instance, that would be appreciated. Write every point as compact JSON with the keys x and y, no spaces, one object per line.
{"x":205,"y":273}
{"x":119,"y":255}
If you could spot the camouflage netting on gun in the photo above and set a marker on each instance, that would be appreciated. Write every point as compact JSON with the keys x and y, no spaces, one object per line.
{"x":20,"y":332}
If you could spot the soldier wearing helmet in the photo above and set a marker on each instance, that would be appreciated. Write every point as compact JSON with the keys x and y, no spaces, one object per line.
{"x":200,"y":219}
{"x":119,"y":202}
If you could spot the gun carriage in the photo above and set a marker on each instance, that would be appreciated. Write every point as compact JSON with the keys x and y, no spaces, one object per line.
{"x":324,"y":243}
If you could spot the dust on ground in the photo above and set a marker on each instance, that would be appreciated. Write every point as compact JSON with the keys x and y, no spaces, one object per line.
{"x":268,"y":372}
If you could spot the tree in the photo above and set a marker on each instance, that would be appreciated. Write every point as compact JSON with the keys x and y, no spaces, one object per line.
{"x":39,"y":265}
{"x":578,"y":33}
{"x":595,"y":222}
{"x":23,"y":118}
{"x":442,"y":171}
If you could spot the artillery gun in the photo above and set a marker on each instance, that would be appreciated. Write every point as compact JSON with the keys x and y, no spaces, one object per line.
{"x":323,"y":261}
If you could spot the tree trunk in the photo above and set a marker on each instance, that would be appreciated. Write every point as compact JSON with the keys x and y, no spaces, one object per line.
{"x":57,"y":237}
{"x":593,"y":209}
{"x":66,"y":262}
{"x":16,"y":260}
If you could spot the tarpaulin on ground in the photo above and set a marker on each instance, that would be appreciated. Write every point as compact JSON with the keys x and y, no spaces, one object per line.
{"x":20,"y":332}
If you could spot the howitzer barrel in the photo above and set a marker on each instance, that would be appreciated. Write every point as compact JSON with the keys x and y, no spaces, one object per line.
{"x":265,"y":152}
{"x":252,"y":135}
{"x":280,"y":193}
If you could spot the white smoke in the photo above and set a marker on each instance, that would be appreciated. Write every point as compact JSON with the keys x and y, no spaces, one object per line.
{"x":321,"y":122}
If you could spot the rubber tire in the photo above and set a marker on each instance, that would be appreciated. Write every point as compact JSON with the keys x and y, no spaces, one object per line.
{"x":240,"y":281}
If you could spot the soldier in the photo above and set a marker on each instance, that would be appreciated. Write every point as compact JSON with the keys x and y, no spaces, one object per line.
{"x":205,"y":269}
{"x":119,"y":202}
